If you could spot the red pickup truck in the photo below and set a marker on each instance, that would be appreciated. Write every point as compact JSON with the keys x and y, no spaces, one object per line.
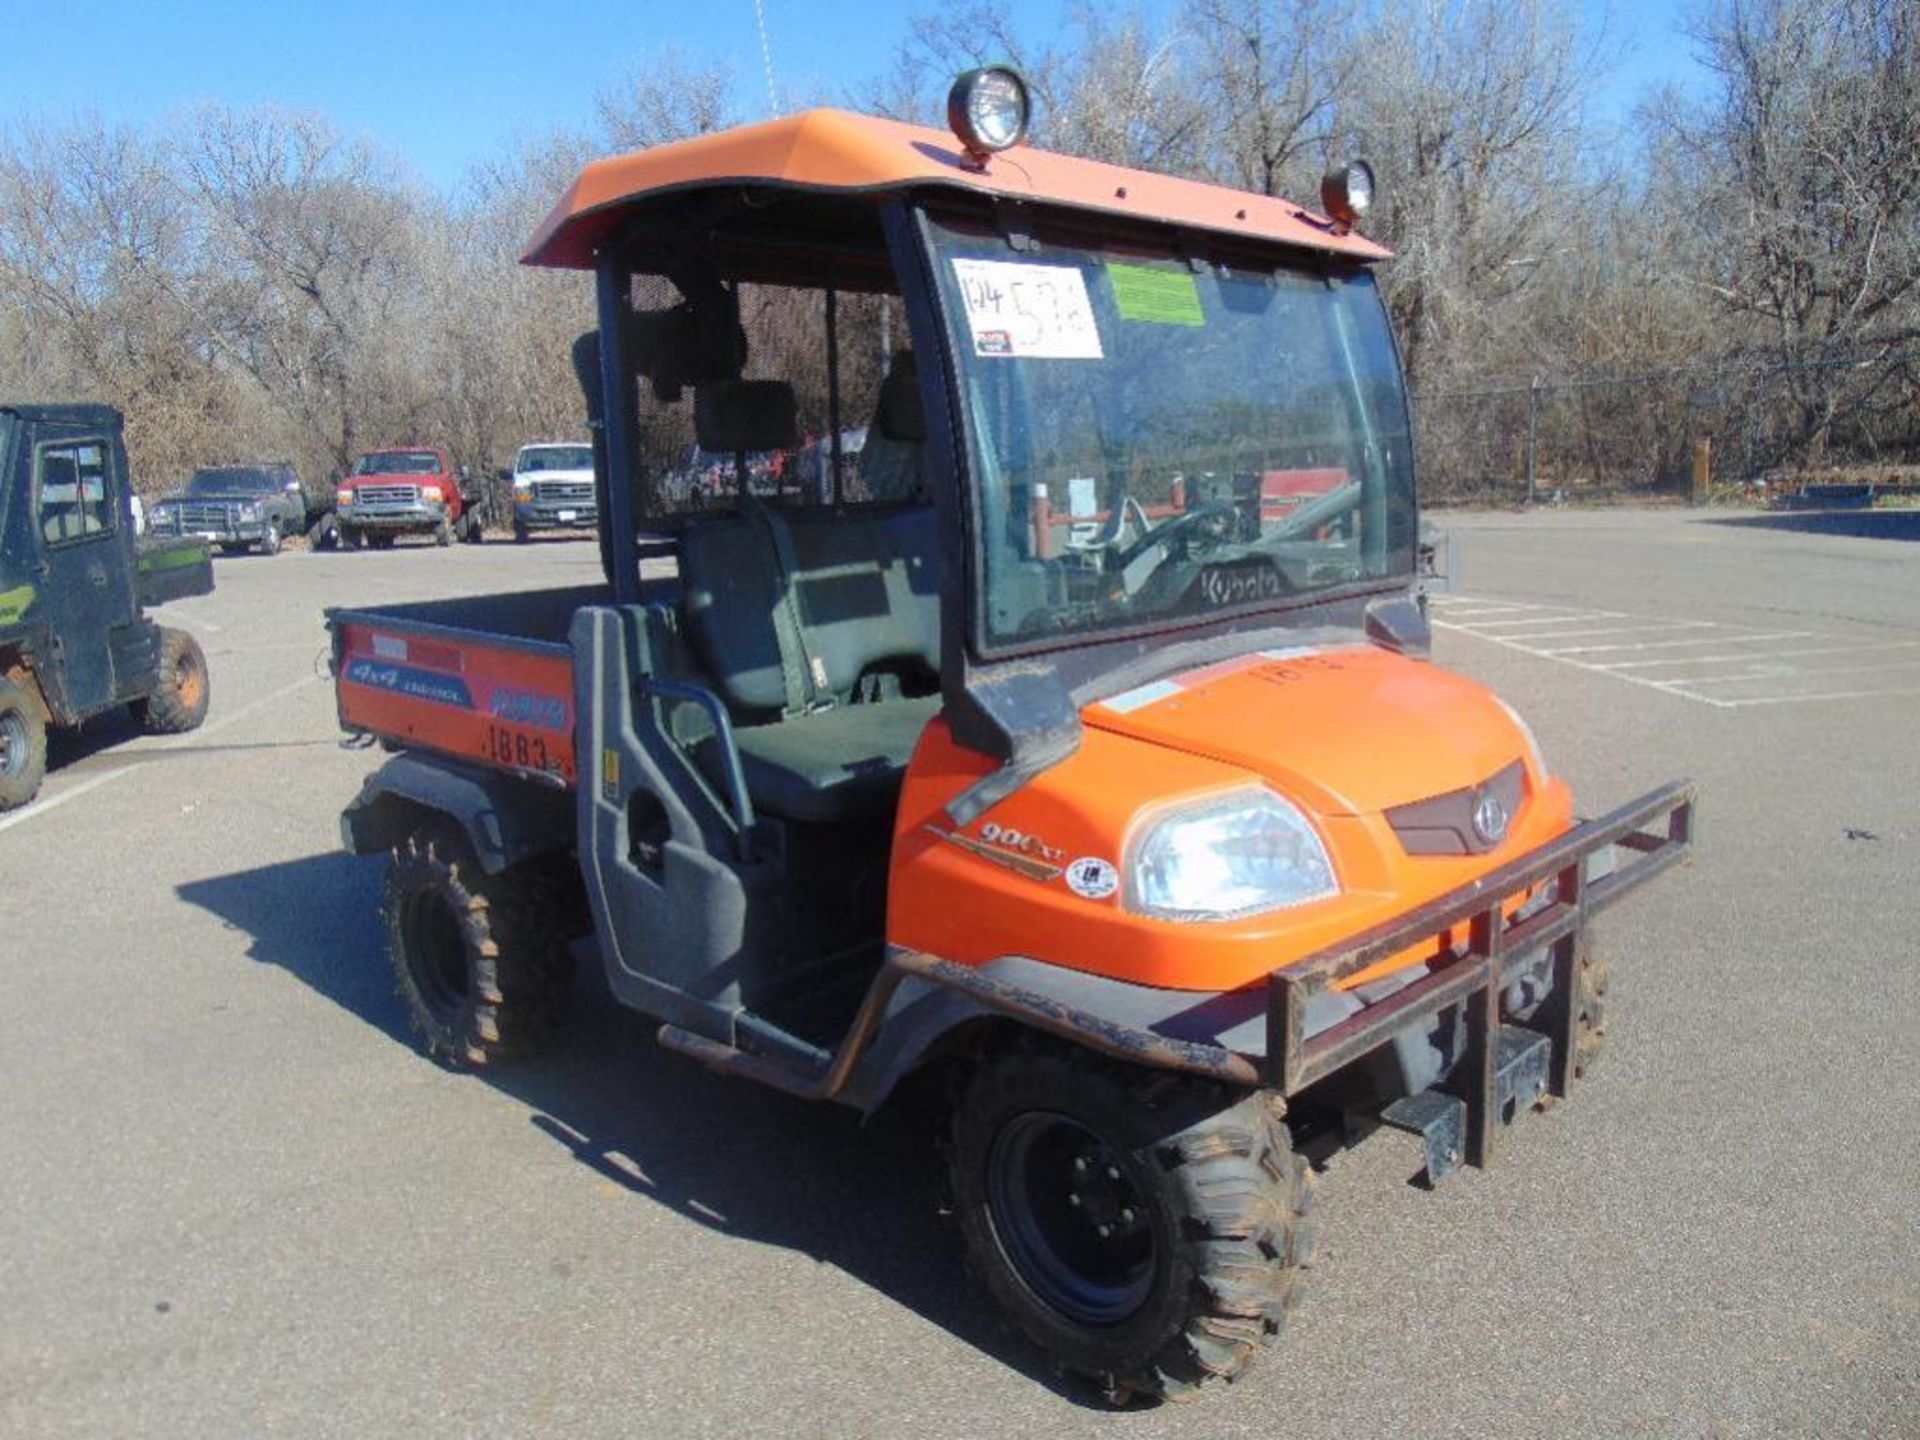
{"x":413,"y":490}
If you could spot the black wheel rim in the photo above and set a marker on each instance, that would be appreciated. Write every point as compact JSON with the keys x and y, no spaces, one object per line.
{"x":1069,"y":1219}
{"x":13,"y":744}
{"x":436,"y":952}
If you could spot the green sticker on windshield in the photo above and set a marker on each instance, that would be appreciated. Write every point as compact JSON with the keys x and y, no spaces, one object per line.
{"x":1160,"y":297}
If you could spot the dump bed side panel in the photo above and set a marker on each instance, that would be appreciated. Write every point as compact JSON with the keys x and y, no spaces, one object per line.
{"x":500,"y":700}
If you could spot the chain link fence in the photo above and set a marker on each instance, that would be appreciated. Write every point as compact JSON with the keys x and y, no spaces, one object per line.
{"x":1602,"y":438}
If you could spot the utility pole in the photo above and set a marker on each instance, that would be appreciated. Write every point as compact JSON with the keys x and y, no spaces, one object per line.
{"x":1533,"y":433}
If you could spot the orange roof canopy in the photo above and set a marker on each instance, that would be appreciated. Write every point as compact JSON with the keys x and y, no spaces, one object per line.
{"x":831,"y":150}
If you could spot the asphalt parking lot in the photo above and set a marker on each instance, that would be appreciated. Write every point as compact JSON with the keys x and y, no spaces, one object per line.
{"x":236,"y":1200}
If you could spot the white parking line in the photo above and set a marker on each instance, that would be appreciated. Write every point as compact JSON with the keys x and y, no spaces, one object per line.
{"x":1665,"y":627}
{"x":1756,"y":654}
{"x":1822,"y":695}
{"x":173,"y":742}
{"x":1782,"y":672}
{"x":1576,"y":618}
{"x":1725,"y":645}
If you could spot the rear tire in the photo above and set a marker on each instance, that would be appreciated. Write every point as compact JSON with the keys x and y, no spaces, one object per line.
{"x":479,"y":959}
{"x":23,"y":746}
{"x":1203,"y":1203}
{"x":182,"y":688}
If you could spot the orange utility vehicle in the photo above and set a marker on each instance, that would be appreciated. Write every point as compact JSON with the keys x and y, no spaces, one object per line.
{"x":1152,"y":834}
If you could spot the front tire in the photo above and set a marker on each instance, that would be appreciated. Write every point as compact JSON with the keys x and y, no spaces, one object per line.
{"x":480,"y":959}
{"x":350,"y":537}
{"x":182,"y":687}
{"x":270,"y":539}
{"x":23,"y":746}
{"x":1144,"y":1229}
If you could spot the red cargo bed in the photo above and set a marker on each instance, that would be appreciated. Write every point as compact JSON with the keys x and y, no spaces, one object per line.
{"x":500,"y":696}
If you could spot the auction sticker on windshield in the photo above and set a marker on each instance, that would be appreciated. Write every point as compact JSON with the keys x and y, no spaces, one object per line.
{"x":1028,"y":311}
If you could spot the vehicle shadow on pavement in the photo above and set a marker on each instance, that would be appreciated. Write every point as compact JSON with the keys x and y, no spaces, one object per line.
{"x":865,"y":1198}
{"x":1856,"y":524}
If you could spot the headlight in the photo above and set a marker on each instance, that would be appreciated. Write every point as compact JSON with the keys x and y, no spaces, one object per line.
{"x":1235,"y":855}
{"x":162,"y":514}
{"x":1526,"y":730}
{"x":343,"y":497}
{"x":988,"y":109}
{"x":250,"y":511}
{"x":432,"y":494}
{"x":1347,"y":193}
{"x":523,"y":489}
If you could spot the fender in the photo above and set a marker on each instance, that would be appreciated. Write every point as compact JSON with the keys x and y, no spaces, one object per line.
{"x":506,"y":819}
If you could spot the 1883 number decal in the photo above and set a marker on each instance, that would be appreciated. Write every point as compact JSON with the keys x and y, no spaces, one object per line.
{"x":505,"y":745}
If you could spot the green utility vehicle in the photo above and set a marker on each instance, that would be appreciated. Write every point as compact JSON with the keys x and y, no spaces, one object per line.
{"x":75,"y":639}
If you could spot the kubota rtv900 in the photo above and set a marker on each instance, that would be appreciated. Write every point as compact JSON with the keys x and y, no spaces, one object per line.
{"x":1067,"y":731}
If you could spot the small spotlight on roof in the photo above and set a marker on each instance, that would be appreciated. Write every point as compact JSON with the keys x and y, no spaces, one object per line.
{"x":1347,"y":194}
{"x":988,"y":110}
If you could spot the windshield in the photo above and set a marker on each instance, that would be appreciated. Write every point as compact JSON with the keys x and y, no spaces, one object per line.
{"x":232,"y":480}
{"x":555,"y":457}
{"x":1153,"y":446}
{"x":398,"y":462}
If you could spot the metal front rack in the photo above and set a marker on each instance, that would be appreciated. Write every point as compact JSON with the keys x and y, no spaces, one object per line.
{"x":1653,"y":832}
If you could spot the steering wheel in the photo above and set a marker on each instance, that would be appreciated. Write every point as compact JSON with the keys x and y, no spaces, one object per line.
{"x":1222,"y":515}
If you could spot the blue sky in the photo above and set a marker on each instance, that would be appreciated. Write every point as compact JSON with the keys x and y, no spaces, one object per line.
{"x":444,"y":85}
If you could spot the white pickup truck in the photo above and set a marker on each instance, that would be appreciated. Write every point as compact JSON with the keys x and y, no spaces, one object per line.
{"x":553,"y":489}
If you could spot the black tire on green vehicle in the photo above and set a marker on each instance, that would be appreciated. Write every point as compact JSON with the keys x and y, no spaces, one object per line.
{"x":181,"y":690}
{"x":479,"y":960}
{"x":1145,"y":1229}
{"x":23,"y":745}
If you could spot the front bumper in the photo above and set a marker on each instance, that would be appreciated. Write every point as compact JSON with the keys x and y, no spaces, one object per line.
{"x":545,"y":515}
{"x":394,"y":517}
{"x":227,"y":532}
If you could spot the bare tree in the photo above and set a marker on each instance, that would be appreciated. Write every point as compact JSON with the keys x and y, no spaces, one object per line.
{"x":312,"y":269}
{"x":1274,"y":72}
{"x":1803,"y":170}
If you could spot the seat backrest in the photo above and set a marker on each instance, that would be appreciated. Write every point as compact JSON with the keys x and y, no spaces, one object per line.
{"x":731,"y":590}
{"x":866,"y":588}
{"x":896,"y":440}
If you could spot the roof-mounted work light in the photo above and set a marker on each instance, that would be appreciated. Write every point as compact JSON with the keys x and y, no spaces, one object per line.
{"x":988,"y":110}
{"x":1347,"y":193}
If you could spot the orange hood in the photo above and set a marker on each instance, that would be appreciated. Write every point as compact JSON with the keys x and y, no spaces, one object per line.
{"x":1346,"y":730}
